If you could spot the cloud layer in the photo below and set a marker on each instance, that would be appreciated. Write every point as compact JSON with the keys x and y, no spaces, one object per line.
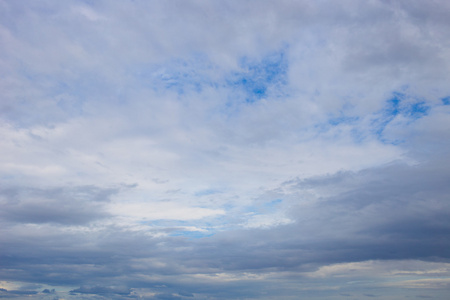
{"x":232,"y":150}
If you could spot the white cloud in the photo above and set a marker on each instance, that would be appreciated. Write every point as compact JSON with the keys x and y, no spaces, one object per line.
{"x":383,"y":269}
{"x":156,"y":211}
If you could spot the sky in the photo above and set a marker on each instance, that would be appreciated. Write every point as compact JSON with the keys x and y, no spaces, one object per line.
{"x":224,"y":149}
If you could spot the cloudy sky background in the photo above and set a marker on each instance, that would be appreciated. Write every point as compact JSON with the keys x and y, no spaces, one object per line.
{"x":224,"y":149}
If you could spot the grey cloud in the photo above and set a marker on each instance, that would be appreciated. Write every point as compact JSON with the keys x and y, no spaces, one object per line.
{"x":392,"y":212}
{"x":4,"y":293}
{"x":79,"y":205}
{"x":398,"y":210}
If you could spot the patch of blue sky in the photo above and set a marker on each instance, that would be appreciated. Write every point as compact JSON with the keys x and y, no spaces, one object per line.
{"x":256,"y":78}
{"x":399,"y":105}
{"x":262,"y":208}
{"x":270,"y":206}
{"x":386,"y":115}
{"x":417,"y":110}
{"x":446,"y":100}
{"x":334,"y":121}
{"x":260,"y":79}
{"x":341,"y":122}
{"x":392,"y":107}
{"x":190,"y":228}
{"x":273,"y":203}
{"x":163,"y":223}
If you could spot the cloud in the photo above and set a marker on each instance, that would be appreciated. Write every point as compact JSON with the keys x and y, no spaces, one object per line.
{"x":72,"y":206}
{"x":11,"y":294}
{"x":163,"y":210}
{"x":385,"y":206}
{"x":430,"y":283}
{"x":101,"y":290}
{"x":192,"y":149}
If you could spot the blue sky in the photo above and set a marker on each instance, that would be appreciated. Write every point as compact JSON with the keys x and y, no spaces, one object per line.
{"x":224,"y":150}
